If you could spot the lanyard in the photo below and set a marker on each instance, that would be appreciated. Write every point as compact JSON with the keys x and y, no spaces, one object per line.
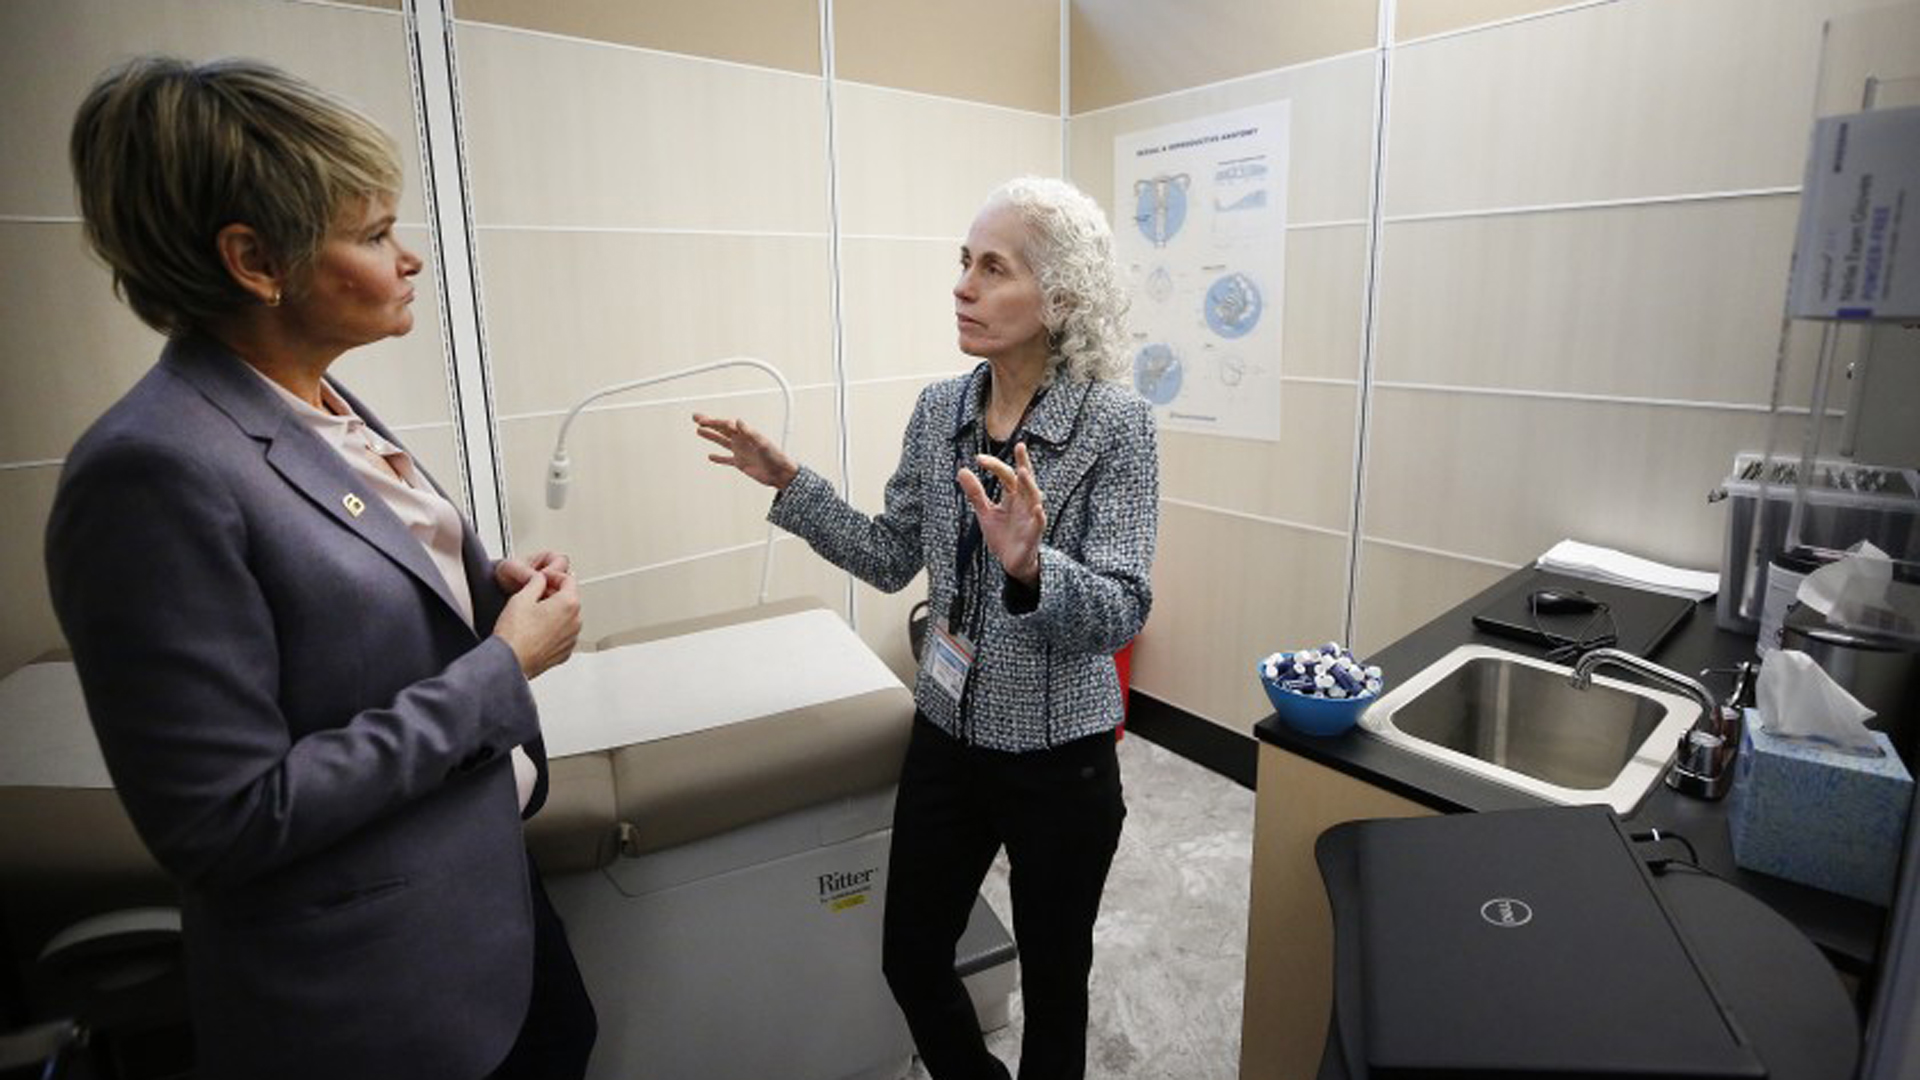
{"x":967,"y":552}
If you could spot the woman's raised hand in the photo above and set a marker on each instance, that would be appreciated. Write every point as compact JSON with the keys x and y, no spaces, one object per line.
{"x":747,"y":450}
{"x":1013,"y":526}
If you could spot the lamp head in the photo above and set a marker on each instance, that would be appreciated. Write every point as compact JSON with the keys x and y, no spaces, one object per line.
{"x":559,"y":471}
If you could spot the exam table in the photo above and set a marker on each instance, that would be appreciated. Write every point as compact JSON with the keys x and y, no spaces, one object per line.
{"x":715,"y":839}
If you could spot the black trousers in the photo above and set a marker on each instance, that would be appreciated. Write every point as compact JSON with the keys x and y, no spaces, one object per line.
{"x":1058,"y":812}
{"x":557,"y":1036}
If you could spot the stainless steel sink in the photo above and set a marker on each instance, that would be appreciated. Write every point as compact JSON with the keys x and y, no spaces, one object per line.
{"x":1518,"y":721}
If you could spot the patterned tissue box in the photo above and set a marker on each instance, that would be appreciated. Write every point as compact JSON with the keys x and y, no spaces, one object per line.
{"x":1811,"y":814}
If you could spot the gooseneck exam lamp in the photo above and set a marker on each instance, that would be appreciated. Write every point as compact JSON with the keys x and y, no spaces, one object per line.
{"x":560,"y":467}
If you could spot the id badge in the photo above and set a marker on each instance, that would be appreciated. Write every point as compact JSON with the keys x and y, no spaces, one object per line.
{"x":949,"y":658}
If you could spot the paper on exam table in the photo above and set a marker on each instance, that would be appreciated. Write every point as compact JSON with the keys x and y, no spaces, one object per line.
{"x":45,"y":739}
{"x":1606,"y":564}
{"x":673,"y":686}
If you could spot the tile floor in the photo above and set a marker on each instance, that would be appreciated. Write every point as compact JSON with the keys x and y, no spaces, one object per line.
{"x":1170,"y":945}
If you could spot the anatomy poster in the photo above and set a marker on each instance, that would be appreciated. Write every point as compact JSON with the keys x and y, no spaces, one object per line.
{"x":1201,"y":212}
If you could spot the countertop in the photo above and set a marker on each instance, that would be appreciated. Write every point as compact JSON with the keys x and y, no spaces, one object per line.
{"x":1847,"y":930}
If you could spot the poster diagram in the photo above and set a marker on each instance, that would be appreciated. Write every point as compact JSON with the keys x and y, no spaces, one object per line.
{"x":1205,"y":258}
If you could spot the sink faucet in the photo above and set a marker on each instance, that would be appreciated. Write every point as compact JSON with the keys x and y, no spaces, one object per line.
{"x":1703,"y":766}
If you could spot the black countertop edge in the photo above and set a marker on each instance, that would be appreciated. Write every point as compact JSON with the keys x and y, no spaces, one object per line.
{"x":1846,"y":929}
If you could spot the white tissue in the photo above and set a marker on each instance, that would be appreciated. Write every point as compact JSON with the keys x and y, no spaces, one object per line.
{"x":1851,"y":590}
{"x":1619,"y":568}
{"x":1799,"y":700}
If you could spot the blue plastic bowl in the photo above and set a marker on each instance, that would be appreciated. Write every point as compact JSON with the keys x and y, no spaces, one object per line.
{"x":1314,"y":715}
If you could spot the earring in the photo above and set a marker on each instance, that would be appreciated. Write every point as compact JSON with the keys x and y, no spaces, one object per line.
{"x":274,"y":301}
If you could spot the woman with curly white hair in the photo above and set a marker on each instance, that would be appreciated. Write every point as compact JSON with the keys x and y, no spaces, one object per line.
{"x":1028,"y":490}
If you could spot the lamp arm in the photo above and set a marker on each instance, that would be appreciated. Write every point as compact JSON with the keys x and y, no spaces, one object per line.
{"x":559,"y":467}
{"x":786,"y":392}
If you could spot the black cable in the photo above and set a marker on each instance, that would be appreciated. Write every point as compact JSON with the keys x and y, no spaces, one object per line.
{"x":1662,"y":864}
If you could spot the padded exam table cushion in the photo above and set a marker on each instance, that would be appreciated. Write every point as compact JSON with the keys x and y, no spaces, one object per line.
{"x":661,"y":792}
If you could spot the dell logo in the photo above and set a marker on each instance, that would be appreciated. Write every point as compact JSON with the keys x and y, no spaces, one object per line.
{"x":1506,"y":911}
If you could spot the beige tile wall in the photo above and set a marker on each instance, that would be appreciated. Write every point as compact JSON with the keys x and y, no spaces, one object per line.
{"x":1001,"y":52}
{"x":1406,"y":587}
{"x":920,"y":167}
{"x":913,"y":170}
{"x":645,"y":210}
{"x":1420,"y":18}
{"x":781,"y":34}
{"x":1227,"y":590}
{"x":571,"y":133}
{"x":1122,"y":51}
{"x":72,"y":347}
{"x":1332,"y":110}
{"x":29,"y":626}
{"x":55,"y":49}
{"x":1534,"y":301}
{"x":1623,"y":100}
{"x":643,"y":491}
{"x":1590,"y":369}
{"x":1586,"y":221}
{"x":719,"y":582}
{"x":1256,"y":532}
{"x":641,"y":211}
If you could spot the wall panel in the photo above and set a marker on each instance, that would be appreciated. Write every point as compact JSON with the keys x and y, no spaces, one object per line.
{"x":643,"y":491}
{"x":1124,"y":51}
{"x":1402,"y":589}
{"x":782,"y":34}
{"x":29,"y":628}
{"x":715,"y":582}
{"x":1504,"y":478}
{"x":571,"y":311}
{"x":576,"y":134}
{"x":1329,"y":139}
{"x":1305,"y":478}
{"x":1227,"y":591}
{"x":1623,"y":100}
{"x":56,"y":48}
{"x":1001,"y":52}
{"x":73,"y":347}
{"x":1420,"y":18}
{"x":1601,"y":301}
{"x":916,"y":166}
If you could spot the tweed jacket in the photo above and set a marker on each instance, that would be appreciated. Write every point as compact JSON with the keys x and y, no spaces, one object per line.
{"x":1042,"y":672}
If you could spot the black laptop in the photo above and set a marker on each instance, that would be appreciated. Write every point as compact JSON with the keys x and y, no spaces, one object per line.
{"x":1528,"y":943}
{"x":1636,"y":620}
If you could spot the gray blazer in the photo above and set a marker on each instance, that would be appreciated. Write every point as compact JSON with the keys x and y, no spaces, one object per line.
{"x":304,"y":731}
{"x":1043,"y":671}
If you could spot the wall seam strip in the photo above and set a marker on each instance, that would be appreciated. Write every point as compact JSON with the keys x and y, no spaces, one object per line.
{"x":842,"y":412}
{"x":1531,"y":16}
{"x":450,"y":207}
{"x":1066,"y":87}
{"x":1422,"y":549}
{"x":698,"y":556}
{"x":1237,"y":79}
{"x":1370,"y":299}
{"x":1585,"y":398}
{"x":1596,"y":204}
{"x":1245,"y":515}
{"x":622,"y":46}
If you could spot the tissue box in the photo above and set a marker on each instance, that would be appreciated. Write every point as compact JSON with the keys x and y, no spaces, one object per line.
{"x":1810,"y":814}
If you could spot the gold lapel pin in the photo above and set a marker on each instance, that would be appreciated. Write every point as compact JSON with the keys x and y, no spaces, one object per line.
{"x":353,"y":504}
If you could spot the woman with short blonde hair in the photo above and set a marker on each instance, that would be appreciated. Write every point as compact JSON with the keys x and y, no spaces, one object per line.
{"x":308,"y":680}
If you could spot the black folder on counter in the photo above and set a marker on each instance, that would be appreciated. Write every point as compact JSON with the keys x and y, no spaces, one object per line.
{"x":1640,"y":620}
{"x":1527,"y":943}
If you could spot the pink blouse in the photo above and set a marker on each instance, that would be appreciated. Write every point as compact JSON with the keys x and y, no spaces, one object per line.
{"x":390,"y":472}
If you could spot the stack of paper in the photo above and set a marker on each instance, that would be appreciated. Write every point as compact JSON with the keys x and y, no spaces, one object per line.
{"x":1606,"y":564}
